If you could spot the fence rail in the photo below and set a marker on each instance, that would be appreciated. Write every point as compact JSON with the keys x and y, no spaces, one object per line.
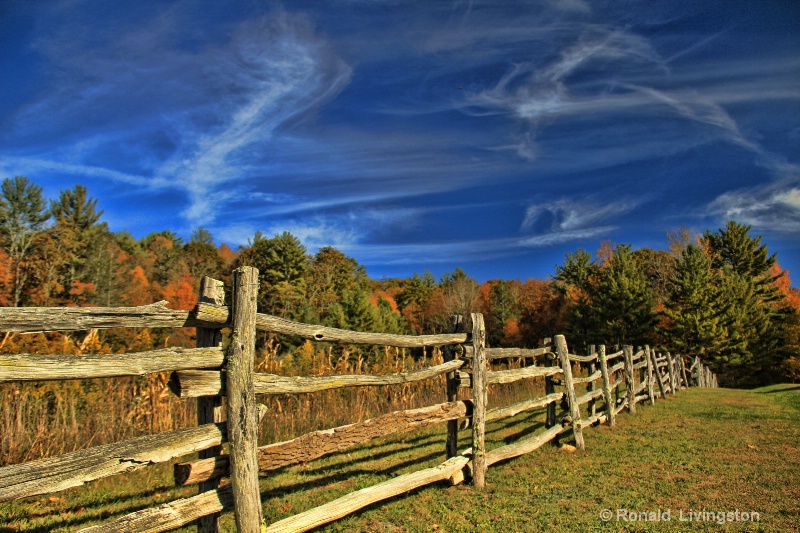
{"x":209,"y":373}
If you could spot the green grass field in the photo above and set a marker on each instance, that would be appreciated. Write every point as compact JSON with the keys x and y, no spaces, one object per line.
{"x":703,"y":451}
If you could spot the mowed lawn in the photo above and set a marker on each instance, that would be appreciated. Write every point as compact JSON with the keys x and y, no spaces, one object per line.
{"x":693,"y":461}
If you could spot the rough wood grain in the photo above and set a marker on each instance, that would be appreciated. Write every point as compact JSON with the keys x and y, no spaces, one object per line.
{"x":589,"y":379}
{"x":599,"y":418}
{"x":168,"y":516}
{"x":622,"y":405}
{"x":526,"y":405}
{"x":617,"y":367}
{"x":522,"y":447}
{"x":503,"y":353}
{"x":209,"y":408}
{"x":683,"y":371}
{"x":27,"y":367}
{"x":191,"y":384}
{"x":671,"y":373}
{"x":590,"y":385}
{"x":630,"y":378}
{"x":36,"y":319}
{"x":325,"y":442}
{"x":656,"y":372}
{"x":589,"y":396}
{"x":583,"y":358}
{"x":242,"y":412}
{"x":452,"y":383}
{"x":364,"y":497}
{"x":601,"y":357}
{"x":480,"y":368}
{"x":574,"y":411}
{"x":517,"y":374}
{"x":210,"y":314}
{"x":54,"y":474}
{"x":650,"y":392}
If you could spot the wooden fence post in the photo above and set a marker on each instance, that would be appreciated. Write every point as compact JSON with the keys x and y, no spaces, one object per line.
{"x":650,"y":392}
{"x":569,"y":384}
{"x":209,"y":408}
{"x":657,"y":373}
{"x":601,"y":356}
{"x":671,"y":373}
{"x":590,"y":386}
{"x":479,"y":399}
{"x":550,"y":388}
{"x":630,"y":379}
{"x":616,"y":381}
{"x":242,"y":411}
{"x":683,"y":372}
{"x":452,"y":383}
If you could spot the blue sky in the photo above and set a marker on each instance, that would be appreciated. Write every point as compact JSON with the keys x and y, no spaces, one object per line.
{"x":495,"y":136}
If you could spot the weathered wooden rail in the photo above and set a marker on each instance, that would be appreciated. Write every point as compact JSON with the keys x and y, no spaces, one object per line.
{"x":208,"y":373}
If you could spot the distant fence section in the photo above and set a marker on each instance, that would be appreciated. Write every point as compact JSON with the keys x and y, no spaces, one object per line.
{"x":615,"y":380}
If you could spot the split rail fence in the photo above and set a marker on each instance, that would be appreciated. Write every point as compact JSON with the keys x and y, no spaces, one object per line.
{"x":209,"y":373}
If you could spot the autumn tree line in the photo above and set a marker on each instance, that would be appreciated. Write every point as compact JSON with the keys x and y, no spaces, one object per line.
{"x":720,"y":295}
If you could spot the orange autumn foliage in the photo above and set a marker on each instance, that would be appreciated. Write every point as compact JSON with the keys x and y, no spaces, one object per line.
{"x":180,"y":294}
{"x":226,"y":254}
{"x":5,"y":278}
{"x":386,"y":295}
{"x":137,"y":290}
{"x":783,"y":283}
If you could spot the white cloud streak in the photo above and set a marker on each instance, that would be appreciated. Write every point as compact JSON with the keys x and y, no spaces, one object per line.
{"x":281,"y":70}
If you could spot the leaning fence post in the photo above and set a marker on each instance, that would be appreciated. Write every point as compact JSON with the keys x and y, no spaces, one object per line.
{"x":242,"y":411}
{"x":630,"y":379}
{"x":650,"y":391}
{"x":671,"y":374}
{"x":209,"y":408}
{"x":452,"y":383}
{"x":569,"y":384}
{"x":479,"y":399}
{"x":601,"y":356}
{"x":683,"y":372}
{"x":657,"y":373}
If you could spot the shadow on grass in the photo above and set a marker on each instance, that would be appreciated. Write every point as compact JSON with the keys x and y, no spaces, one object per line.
{"x":787,"y":388}
{"x":91,"y":512}
{"x":331,"y":479}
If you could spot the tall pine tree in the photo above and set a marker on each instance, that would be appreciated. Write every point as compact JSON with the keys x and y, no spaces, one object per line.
{"x":693,"y":306}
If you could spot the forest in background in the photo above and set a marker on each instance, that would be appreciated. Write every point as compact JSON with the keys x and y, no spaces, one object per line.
{"x":719,"y":295}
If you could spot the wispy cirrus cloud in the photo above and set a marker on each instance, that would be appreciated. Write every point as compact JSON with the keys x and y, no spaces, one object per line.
{"x":566,"y":220}
{"x":278,"y":70}
{"x":213,"y":110}
{"x":772,"y":207}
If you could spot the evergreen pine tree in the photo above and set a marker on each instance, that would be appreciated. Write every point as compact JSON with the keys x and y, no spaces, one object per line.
{"x":751,"y":315}
{"x":693,"y":306}
{"x":622,"y":302}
